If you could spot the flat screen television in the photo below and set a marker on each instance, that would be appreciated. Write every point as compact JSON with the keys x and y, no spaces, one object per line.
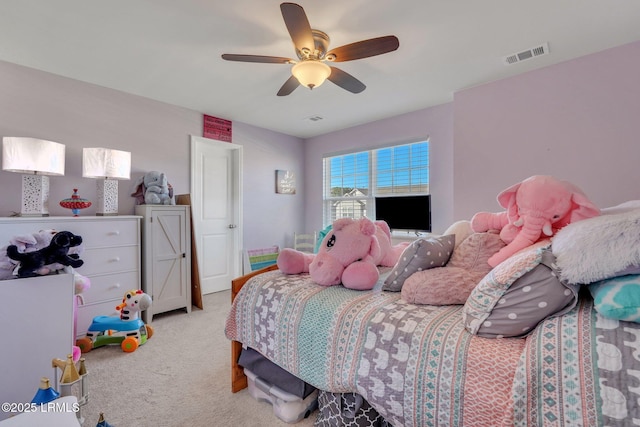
{"x":405,"y":212}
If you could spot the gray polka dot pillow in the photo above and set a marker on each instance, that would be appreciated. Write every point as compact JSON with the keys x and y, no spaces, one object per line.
{"x":518,"y":294}
{"x":420,"y":255}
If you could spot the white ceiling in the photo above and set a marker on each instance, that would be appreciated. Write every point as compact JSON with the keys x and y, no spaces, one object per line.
{"x":169,"y":50}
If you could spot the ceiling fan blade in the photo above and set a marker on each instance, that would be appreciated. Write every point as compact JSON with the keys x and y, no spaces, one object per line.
{"x":288,"y":86}
{"x":346,"y":81}
{"x":364,"y":48}
{"x":298,"y":25}
{"x":256,"y":58}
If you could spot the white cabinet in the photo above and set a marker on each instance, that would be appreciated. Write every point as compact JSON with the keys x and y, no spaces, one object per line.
{"x":110,"y":251}
{"x":37,"y":327}
{"x":166,"y":259}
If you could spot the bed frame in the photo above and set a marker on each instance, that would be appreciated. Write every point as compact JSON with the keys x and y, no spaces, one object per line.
{"x":238,"y":378}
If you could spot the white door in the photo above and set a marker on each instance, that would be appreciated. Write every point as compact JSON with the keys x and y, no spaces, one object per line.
{"x":216,"y":202}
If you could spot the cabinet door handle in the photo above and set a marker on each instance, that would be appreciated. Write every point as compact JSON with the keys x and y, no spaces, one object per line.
{"x":115,"y":259}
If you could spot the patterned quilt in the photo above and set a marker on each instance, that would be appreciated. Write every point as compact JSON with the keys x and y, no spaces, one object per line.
{"x":418,"y":366}
{"x":580,"y":369}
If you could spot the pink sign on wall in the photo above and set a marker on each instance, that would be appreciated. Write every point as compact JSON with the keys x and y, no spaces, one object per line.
{"x":216,"y":128}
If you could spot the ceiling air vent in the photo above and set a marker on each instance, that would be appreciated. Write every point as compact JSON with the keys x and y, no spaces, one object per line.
{"x":543,"y":49}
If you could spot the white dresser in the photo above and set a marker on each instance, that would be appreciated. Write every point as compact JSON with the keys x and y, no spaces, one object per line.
{"x":111,"y":255}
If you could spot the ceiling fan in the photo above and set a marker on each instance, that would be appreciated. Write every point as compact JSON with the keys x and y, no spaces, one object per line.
{"x":312,"y":50}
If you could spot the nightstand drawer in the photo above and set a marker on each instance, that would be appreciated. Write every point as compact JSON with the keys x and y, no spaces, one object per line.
{"x":107,"y":233}
{"x":110,"y":260}
{"x":110,"y":286}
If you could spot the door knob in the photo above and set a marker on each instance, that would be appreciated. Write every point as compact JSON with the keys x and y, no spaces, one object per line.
{"x":232,"y":226}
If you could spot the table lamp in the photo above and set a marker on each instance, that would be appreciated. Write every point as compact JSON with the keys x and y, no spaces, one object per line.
{"x":108,"y":166}
{"x":36,"y":159}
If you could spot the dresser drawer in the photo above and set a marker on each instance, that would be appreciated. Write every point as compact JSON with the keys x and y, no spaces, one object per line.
{"x":86,"y":313}
{"x":107,"y":233}
{"x":110,"y":260}
{"x":95,"y":231}
{"x":110,"y":286}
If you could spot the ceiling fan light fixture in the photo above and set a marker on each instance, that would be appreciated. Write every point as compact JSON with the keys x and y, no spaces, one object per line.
{"x":311,"y":73}
{"x":311,"y":47}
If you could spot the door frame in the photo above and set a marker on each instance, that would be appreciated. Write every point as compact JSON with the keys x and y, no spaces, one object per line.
{"x":236,"y":152}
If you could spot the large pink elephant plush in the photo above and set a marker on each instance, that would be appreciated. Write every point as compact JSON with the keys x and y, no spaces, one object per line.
{"x":535,"y":208}
{"x":349,"y":254}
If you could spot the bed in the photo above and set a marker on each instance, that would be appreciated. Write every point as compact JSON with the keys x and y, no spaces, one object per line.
{"x":423,"y":365}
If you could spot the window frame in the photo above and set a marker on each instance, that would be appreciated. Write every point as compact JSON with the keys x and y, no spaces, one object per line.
{"x":328,"y":200}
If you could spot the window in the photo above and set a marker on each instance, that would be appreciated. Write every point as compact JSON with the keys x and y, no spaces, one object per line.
{"x":353,"y":181}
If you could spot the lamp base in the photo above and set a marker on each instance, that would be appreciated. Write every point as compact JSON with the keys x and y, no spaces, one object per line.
{"x":35,"y":195}
{"x":107,"y":197}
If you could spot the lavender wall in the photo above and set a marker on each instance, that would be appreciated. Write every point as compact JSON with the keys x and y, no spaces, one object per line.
{"x":270,"y":218}
{"x":434,"y":123}
{"x":77,"y":114}
{"x":42,"y":105}
{"x":578,"y":120}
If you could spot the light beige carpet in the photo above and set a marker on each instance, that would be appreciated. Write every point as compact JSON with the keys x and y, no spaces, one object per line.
{"x":180,"y":377}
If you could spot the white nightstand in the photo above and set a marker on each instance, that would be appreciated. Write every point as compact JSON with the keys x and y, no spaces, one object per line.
{"x":166,"y":257}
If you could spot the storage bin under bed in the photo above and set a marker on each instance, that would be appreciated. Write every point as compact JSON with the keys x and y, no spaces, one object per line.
{"x":292,"y":399}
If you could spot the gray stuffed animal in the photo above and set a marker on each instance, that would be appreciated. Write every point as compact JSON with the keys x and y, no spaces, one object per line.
{"x":153,"y":189}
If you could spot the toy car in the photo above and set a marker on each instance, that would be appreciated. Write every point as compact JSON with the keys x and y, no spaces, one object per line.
{"x":128,"y":330}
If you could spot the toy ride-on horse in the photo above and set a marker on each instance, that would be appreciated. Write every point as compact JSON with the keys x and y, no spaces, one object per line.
{"x":129,"y":330}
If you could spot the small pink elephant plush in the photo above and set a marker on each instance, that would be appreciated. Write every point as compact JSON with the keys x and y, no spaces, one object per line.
{"x":535,"y":208}
{"x":349,"y":254}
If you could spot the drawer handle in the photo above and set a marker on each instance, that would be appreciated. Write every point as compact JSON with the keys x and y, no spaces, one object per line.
{"x":115,"y":259}
{"x":114,"y":233}
{"x":115,"y":286}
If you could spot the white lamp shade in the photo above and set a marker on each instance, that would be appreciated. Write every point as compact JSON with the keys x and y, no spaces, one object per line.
{"x":31,"y":155}
{"x":311,"y":73}
{"x":106,"y":163}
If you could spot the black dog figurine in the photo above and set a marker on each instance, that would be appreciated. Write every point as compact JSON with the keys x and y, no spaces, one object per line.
{"x":56,"y":252}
